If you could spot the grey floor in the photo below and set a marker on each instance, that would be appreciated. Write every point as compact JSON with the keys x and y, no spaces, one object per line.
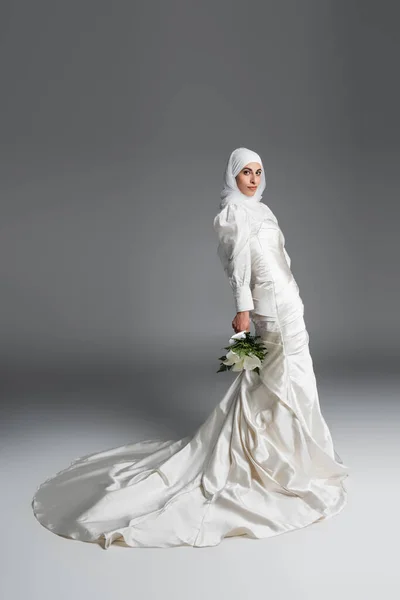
{"x":48,"y":419}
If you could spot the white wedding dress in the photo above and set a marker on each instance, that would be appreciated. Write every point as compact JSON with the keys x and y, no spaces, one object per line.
{"x":262,"y":464}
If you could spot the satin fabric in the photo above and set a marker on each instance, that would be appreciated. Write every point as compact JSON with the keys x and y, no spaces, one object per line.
{"x":262,"y":464}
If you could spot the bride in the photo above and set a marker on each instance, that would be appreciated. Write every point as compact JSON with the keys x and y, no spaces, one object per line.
{"x":263,"y":463}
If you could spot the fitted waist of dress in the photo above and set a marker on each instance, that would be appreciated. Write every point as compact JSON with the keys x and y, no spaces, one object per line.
{"x":268,"y":260}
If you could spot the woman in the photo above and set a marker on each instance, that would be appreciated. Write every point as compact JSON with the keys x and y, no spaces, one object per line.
{"x":263,"y":463}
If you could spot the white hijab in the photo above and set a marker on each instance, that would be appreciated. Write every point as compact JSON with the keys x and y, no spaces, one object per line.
{"x":238,"y":159}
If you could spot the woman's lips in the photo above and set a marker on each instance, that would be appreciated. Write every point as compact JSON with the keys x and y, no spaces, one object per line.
{"x":254,"y":187}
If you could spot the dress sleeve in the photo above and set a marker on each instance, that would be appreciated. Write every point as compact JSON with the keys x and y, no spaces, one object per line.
{"x":288,"y":259}
{"x":233,"y":229}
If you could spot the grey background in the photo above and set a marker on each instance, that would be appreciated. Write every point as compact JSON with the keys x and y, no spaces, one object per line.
{"x":116,"y":121}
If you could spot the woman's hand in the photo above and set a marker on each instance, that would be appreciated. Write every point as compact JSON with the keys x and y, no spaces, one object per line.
{"x":241,"y":322}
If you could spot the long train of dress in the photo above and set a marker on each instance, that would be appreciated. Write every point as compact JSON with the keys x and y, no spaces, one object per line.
{"x":262,"y":464}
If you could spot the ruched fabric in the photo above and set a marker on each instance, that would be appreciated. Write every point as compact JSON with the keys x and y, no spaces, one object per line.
{"x":262,"y":464}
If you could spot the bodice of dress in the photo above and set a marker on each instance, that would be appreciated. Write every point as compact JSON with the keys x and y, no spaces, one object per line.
{"x":253,"y":256}
{"x":269,"y":260}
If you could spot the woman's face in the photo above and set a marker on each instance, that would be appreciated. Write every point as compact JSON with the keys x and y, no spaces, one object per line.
{"x":249,"y":178}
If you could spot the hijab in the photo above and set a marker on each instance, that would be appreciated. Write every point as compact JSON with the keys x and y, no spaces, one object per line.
{"x":238,"y":159}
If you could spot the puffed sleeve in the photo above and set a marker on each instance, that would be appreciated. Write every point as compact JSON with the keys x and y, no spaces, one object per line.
{"x":233,"y":229}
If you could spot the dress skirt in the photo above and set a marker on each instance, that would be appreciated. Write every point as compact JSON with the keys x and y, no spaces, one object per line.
{"x":262,"y":464}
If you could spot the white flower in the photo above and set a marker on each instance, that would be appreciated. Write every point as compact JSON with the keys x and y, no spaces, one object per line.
{"x":250,"y":362}
{"x":237,"y":336}
{"x":238,"y":366}
{"x":247,"y":362}
{"x":232,"y":358}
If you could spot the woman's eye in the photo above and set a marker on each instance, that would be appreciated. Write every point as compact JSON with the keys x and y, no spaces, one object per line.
{"x":247,"y":172}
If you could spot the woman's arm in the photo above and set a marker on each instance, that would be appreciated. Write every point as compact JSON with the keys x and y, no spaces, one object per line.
{"x":233,"y":229}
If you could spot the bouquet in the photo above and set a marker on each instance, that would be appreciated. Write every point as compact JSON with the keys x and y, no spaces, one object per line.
{"x":245,"y":352}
